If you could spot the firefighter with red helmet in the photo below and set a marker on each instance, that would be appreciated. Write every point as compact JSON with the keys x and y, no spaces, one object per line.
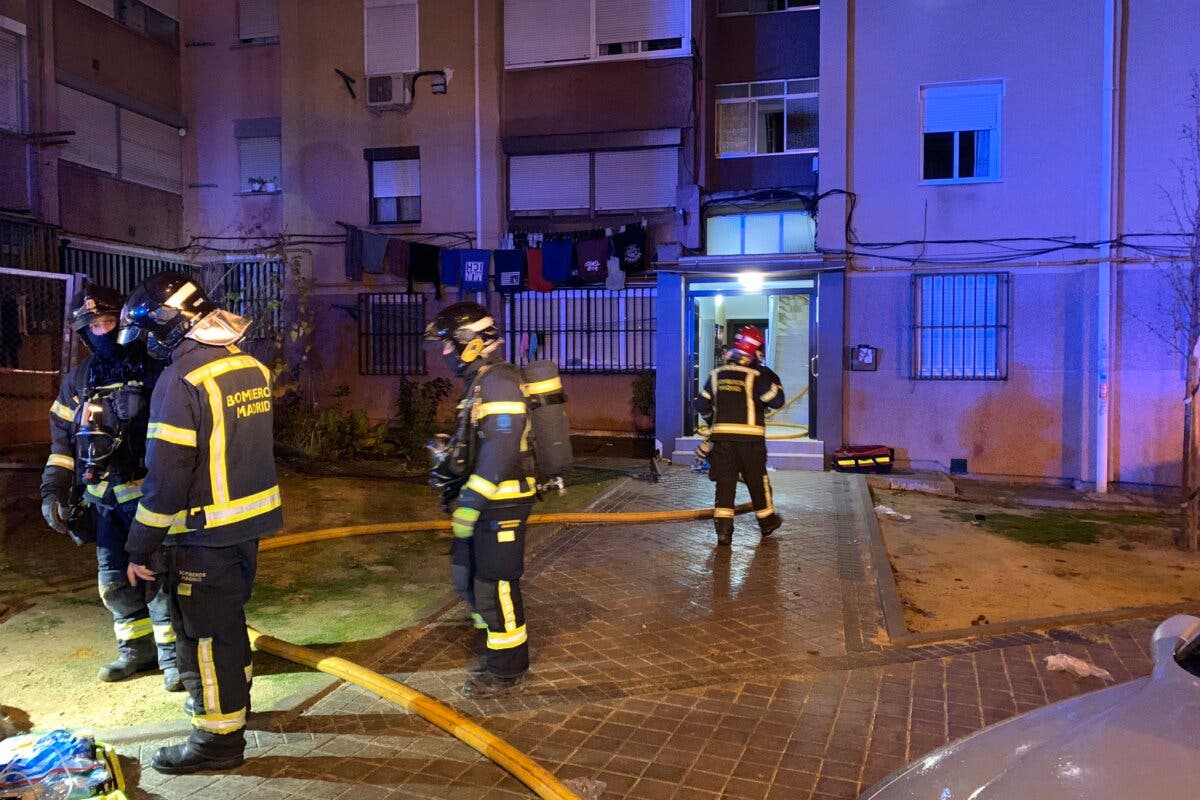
{"x":93,"y":478}
{"x":734,"y":403}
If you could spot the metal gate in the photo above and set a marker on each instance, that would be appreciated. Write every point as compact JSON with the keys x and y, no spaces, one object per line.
{"x":35,"y":348}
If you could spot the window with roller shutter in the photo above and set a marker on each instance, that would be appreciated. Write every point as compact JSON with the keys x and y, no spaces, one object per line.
{"x":94,"y":142}
{"x":559,"y":182}
{"x":390,"y":37}
{"x":394,"y":181}
{"x":960,"y":132}
{"x":12,"y":74}
{"x":554,"y":32}
{"x":258,"y":21}
{"x":601,"y":181}
{"x":259,"y":154}
{"x":150,"y":153}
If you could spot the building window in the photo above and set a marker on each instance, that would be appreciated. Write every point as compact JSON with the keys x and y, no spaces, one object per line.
{"x":259,"y":154}
{"x":961,"y":132}
{"x":12,"y":80}
{"x":390,"y":330}
{"x":732,"y":7}
{"x":960,"y":326}
{"x":254,"y":289}
{"x":258,"y":21}
{"x":149,"y":21}
{"x":554,"y":32}
{"x":390,"y":37}
{"x":645,"y":179}
{"x":583,"y":330}
{"x":757,"y":234}
{"x":394,"y":175}
{"x":768,"y":117}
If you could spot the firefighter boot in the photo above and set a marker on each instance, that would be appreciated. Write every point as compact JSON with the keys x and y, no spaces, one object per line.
{"x":770,"y":524}
{"x":485,"y":685}
{"x":133,"y":657}
{"x":172,"y":681}
{"x":724,"y":532}
{"x":196,"y":756}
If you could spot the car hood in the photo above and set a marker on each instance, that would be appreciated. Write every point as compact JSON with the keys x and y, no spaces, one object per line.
{"x":1138,"y":739}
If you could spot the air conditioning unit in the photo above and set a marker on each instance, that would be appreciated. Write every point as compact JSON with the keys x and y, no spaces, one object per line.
{"x":388,"y":91}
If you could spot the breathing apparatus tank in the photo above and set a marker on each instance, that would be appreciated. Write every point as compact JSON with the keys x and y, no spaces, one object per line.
{"x":549,"y":428}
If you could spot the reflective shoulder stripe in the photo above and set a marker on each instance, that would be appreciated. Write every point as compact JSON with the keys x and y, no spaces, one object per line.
{"x":500,"y":407}
{"x":153,"y":518}
{"x":56,"y":460}
{"x":224,"y":365}
{"x":506,"y":490}
{"x":170,"y":433}
{"x":506,"y":640}
{"x":542,"y":387}
{"x":62,"y":412}
{"x":770,"y":394}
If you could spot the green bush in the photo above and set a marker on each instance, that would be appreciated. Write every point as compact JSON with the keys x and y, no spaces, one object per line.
{"x":332,"y":433}
{"x":415,"y":421}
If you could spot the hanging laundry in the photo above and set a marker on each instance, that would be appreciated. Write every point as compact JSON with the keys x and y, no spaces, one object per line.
{"x":397,"y":257}
{"x":474,"y":265}
{"x":616,"y":277}
{"x":374,"y":252}
{"x":450,"y":265}
{"x":630,"y":247}
{"x":510,"y":271}
{"x":533,"y":347}
{"x":536,"y":276}
{"x":591,"y":255}
{"x":354,"y":267}
{"x":556,"y":260}
{"x":423,"y":267}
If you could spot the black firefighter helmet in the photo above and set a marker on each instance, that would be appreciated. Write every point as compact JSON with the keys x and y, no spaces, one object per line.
{"x":468,"y":327}
{"x":91,"y":303}
{"x":163,"y":308}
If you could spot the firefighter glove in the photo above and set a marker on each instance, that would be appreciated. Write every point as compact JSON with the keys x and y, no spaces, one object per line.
{"x":54,"y":511}
{"x":127,"y":402}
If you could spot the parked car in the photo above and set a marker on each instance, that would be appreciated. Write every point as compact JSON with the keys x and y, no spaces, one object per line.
{"x":1138,"y":739}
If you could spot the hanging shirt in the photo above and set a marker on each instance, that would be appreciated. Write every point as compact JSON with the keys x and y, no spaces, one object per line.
{"x":423,"y":267}
{"x":374,"y":252}
{"x":510,"y":271}
{"x":473,"y":265}
{"x":630,"y":247}
{"x":616,"y":277}
{"x":354,"y":269}
{"x":556,"y":260}
{"x":450,"y":265}
{"x":592,"y":258}
{"x":537,"y":277}
{"x":397,"y":257}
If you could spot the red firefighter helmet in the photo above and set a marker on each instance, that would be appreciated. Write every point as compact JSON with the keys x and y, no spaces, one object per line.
{"x":748,"y":342}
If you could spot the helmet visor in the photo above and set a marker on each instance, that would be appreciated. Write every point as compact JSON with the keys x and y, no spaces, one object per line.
{"x":129,"y":334}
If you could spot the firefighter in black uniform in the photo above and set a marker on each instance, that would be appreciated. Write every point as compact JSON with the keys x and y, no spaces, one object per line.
{"x":734,"y":402}
{"x":97,"y":454}
{"x":487,"y":466}
{"x":209,"y":495}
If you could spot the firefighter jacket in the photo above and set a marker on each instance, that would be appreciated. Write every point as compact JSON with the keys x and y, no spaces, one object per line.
{"x":735,"y":399}
{"x":211,"y":470}
{"x":94,"y":380}
{"x":501,"y":466}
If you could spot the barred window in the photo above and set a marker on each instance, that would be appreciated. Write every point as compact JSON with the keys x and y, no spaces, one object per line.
{"x":390,"y":330}
{"x":583,"y":330}
{"x":254,"y":289}
{"x":960,"y":326}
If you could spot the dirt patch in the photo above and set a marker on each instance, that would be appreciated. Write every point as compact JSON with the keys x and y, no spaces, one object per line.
{"x":340,"y":596}
{"x":961,"y":563}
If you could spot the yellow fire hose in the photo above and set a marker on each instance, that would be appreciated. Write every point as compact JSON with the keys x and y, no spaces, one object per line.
{"x":516,"y":763}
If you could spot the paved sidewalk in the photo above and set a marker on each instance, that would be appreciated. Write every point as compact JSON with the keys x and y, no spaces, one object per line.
{"x":669,"y":668}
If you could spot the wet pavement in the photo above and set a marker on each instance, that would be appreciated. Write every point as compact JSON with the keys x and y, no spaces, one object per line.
{"x":669,"y":668}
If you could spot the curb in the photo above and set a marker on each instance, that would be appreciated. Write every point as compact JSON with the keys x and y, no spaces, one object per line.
{"x":885,"y":582}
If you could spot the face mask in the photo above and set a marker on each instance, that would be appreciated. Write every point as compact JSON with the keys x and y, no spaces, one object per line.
{"x":105,"y":345}
{"x":453,"y":363}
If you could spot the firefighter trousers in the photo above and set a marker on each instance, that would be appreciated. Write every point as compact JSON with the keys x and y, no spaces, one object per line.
{"x":142,"y":625}
{"x":209,"y":588}
{"x":486,"y":569}
{"x":747,"y":459}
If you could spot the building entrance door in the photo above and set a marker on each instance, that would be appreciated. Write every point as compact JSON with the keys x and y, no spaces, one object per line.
{"x":785,"y":310}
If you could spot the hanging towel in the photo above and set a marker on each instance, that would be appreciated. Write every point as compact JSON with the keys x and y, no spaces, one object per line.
{"x":475,"y":268}
{"x":533,"y":347}
{"x":616,"y":278}
{"x":450,"y":266}
{"x":591,"y":255}
{"x":630,"y":247}
{"x":423,"y":267}
{"x":537,"y":278}
{"x":556,"y":260}
{"x":354,"y":267}
{"x":397,"y":257}
{"x":523,"y":345}
{"x":510,"y":271}
{"x":374,"y":252}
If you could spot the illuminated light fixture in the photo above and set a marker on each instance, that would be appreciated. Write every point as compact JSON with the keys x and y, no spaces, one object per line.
{"x":751,"y":281}
{"x":719,"y":299}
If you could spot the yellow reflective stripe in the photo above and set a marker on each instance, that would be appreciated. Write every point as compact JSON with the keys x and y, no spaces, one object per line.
{"x":542,"y":387}
{"x":466,"y":514}
{"x":217,"y":475}
{"x":704,"y":393}
{"x":169,"y":433}
{"x":506,"y":490}
{"x":770,"y":394}
{"x":98,"y":489}
{"x":506,"y":606}
{"x":764,"y":513}
{"x":500,"y":407}
{"x":219,"y":514}
{"x":462,"y":531}
{"x":66,"y":462}
{"x":128,"y":491}
{"x":126,"y":631}
{"x":480,"y":624}
{"x":733,"y":427}
{"x":62,"y":412}
{"x":208,"y":678}
{"x":228,"y":364}
{"x":249,"y":672}
{"x":164,"y":634}
{"x":154,"y":519}
{"x":505,"y":641}
{"x":221,"y":723}
{"x":723,"y":513}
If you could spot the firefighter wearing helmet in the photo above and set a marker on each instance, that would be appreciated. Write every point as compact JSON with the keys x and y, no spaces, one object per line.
{"x":93,"y":479}
{"x":734,"y":403}
{"x":487,"y":468}
{"x":210,"y":494}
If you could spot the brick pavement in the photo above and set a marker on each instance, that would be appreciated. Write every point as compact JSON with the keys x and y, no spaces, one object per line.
{"x":670,"y":669}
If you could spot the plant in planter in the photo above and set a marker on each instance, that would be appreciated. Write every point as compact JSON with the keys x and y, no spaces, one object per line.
{"x":256,"y":184}
{"x":642,"y":401}
{"x":271,"y":185}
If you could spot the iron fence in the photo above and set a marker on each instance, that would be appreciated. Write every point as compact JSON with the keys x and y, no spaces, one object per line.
{"x":25,"y":244}
{"x":116,"y":270}
{"x":254,"y":289}
{"x":583,"y":330}
{"x":390,"y":330}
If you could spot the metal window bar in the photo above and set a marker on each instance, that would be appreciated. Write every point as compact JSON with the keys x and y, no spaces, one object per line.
{"x":120,"y":271}
{"x":600,"y":331}
{"x":254,"y":289}
{"x":28,"y":245}
{"x":961,"y":326}
{"x":390,"y":330}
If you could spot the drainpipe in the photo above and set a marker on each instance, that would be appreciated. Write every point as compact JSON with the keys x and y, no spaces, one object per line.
{"x":478,"y":140}
{"x":1104,"y":322}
